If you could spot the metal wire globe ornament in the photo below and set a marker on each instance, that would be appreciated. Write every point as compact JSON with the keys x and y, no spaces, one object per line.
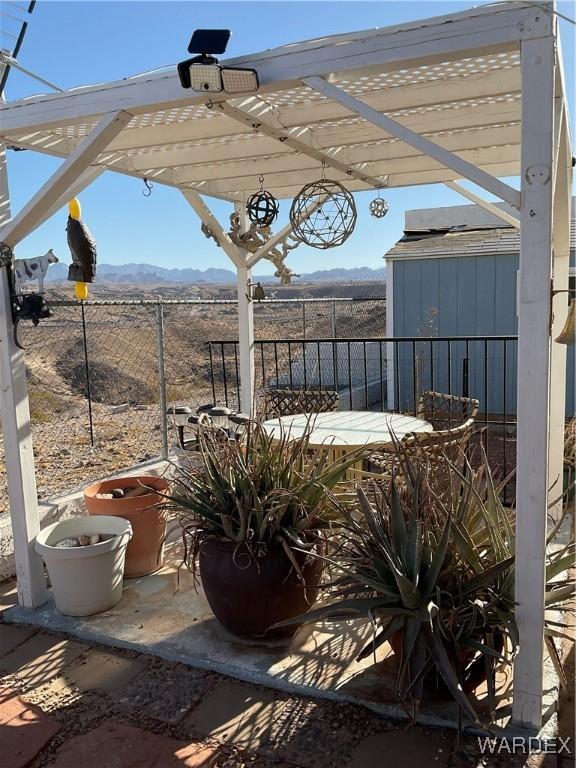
{"x":378,"y":207}
{"x":332,"y":222}
{"x":262,"y":207}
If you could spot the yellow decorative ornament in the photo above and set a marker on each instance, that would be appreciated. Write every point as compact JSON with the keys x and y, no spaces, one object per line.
{"x":83,"y":248}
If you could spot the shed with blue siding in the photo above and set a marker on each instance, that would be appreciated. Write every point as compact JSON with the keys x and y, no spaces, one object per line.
{"x":454,"y":273}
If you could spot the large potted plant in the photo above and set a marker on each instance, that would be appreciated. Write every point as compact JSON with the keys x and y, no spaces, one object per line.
{"x":253,"y":513}
{"x":434,"y":575}
{"x":138,"y":499}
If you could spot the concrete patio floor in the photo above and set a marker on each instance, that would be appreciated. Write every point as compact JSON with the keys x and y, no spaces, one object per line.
{"x":164,"y":615}
{"x":63,"y":701}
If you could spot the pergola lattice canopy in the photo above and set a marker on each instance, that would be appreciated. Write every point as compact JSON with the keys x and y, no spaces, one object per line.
{"x":469,"y":105}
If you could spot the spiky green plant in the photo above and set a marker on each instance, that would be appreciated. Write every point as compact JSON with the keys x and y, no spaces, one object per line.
{"x":438,"y":571}
{"x":265,"y":491}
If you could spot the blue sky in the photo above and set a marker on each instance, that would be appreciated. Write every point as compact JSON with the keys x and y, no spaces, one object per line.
{"x":79,"y":43}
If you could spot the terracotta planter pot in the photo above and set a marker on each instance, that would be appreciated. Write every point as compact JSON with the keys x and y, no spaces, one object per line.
{"x":145,"y":553}
{"x":248,"y":597}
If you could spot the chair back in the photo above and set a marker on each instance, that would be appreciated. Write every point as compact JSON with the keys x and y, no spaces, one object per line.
{"x":444,"y":411}
{"x":289,"y":402}
{"x":430,"y":448}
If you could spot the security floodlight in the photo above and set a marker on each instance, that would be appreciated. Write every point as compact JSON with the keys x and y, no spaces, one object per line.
{"x":203,"y":73}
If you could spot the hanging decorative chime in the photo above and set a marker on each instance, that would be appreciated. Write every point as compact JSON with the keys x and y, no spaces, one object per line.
{"x":332,"y":218}
{"x":378,"y":207}
{"x":262,"y":207}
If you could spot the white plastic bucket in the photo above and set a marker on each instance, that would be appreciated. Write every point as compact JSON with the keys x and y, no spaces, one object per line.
{"x":88,"y":579}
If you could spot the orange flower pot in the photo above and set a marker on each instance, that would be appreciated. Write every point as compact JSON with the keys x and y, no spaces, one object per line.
{"x":145,"y":553}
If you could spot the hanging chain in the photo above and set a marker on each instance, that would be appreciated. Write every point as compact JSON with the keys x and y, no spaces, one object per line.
{"x":261,"y":180}
{"x":323,"y":177}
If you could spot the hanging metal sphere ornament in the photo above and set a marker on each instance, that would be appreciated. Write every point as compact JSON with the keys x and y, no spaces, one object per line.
{"x":333,"y":221}
{"x":378,"y":207}
{"x":262,"y":207}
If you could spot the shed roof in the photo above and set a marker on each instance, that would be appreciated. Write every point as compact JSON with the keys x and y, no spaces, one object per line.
{"x":464,"y":240}
{"x":454,"y":79}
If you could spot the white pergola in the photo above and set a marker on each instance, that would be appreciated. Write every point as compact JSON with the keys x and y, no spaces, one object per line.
{"x":477,"y":95}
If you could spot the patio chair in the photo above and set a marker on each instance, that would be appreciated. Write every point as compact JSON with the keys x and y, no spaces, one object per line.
{"x":289,"y":402}
{"x":446,"y":411}
{"x":431,"y":449}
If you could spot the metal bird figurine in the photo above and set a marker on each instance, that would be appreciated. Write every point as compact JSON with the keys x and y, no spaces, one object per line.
{"x":83,"y":249}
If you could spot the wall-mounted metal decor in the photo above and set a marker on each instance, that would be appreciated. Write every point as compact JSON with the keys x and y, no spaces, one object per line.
{"x":262,"y":207}
{"x":332,"y":222}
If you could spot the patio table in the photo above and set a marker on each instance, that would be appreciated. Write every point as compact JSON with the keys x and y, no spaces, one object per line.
{"x":342,"y":432}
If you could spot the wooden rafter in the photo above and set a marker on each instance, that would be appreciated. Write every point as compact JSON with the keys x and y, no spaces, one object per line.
{"x":435,"y":151}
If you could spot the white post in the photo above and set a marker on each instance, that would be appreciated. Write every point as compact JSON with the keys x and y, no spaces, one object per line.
{"x":19,"y":457}
{"x":560,"y":269}
{"x":391,"y":373}
{"x":245,"y":339}
{"x":245,"y":323}
{"x":533,"y":371}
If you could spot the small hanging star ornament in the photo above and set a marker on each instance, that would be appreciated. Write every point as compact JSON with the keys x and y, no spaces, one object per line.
{"x":378,"y":207}
{"x":262,"y":207}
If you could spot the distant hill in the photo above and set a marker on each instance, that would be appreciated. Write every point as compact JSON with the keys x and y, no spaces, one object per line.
{"x":149,"y":274}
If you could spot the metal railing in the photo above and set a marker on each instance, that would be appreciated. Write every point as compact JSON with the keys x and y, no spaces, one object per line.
{"x":388,"y":374}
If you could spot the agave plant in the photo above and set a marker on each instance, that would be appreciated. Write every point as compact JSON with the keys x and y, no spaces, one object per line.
{"x":570,"y":443}
{"x":436,"y":574}
{"x":265,"y":491}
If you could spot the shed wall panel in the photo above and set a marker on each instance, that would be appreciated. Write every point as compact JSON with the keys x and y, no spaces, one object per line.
{"x":461,"y":296}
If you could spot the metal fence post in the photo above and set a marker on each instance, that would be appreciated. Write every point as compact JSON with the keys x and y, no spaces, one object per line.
{"x":334,"y":347}
{"x":333,"y":319}
{"x":162,"y":377}
{"x":303,"y":319}
{"x":87,"y":374}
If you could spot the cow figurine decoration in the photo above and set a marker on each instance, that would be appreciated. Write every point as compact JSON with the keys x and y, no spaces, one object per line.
{"x":32,"y":269}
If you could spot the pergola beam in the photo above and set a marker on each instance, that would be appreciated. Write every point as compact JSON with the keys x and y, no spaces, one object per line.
{"x":435,"y":151}
{"x":287,"y":138}
{"x":338,"y":141}
{"x":388,"y":150}
{"x":433,"y":94}
{"x":60,"y":182}
{"x":84,"y":180}
{"x":210,"y":221}
{"x":477,"y":33}
{"x":300,"y":176}
{"x":281,"y":235}
{"x":490,"y":207}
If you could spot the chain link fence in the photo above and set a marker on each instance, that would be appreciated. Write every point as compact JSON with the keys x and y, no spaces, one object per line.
{"x":101,"y":375}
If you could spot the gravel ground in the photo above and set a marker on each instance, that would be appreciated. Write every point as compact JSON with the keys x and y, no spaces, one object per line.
{"x":249,"y":726}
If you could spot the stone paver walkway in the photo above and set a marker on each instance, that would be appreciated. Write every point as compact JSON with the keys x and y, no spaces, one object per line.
{"x":66,"y":704}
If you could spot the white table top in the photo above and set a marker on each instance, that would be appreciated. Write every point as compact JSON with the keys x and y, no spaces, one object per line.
{"x":351,"y":428}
